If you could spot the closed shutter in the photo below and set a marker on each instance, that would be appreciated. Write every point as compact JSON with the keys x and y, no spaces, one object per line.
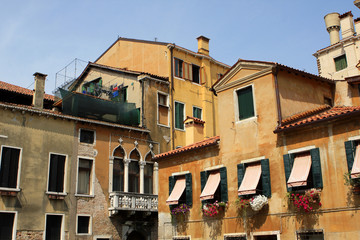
{"x":340,"y":63}
{"x":223,"y":184}
{"x":190,"y":72}
{"x":265,"y":176}
{"x":288,"y":164}
{"x":171,"y":184}
{"x":241,"y":173}
{"x":203,"y":179}
{"x":316,"y":168}
{"x":245,"y":103}
{"x":350,"y":148}
{"x":188,"y":189}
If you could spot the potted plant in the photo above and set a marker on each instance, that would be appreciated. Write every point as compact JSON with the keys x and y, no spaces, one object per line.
{"x":306,"y":201}
{"x":213,"y":209}
{"x":354,"y":183}
{"x":179,"y":212}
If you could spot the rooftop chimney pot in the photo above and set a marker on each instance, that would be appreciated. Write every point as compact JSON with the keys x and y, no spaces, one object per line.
{"x":332,"y":22}
{"x":203,"y":45}
{"x":38,"y":96}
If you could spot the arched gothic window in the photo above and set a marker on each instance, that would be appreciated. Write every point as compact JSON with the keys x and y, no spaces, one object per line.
{"x":118,"y":169}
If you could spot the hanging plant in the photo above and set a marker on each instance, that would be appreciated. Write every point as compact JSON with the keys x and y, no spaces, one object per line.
{"x":306,"y":201}
{"x":258,"y":202}
{"x":213,"y":209}
{"x":180,"y":209}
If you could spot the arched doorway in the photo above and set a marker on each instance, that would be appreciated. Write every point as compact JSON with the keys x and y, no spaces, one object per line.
{"x":135,"y":235}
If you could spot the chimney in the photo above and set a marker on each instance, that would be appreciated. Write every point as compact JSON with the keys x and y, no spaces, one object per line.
{"x":343,"y":96}
{"x":194,"y":130}
{"x":332,"y":22}
{"x":203,"y":45}
{"x":357,"y":25}
{"x":357,"y":3}
{"x":347,"y":25}
{"x":38,"y":97}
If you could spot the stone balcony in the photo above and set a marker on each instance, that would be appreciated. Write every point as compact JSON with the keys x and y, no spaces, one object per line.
{"x":124,"y":201}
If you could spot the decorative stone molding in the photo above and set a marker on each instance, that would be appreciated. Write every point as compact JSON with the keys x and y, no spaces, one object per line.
{"x":132,"y":202}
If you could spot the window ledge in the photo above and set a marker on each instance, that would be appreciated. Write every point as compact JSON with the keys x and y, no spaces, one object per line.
{"x":84,"y":195}
{"x":162,"y":125}
{"x":12,"y":192}
{"x":55,"y":195}
{"x":246,"y":120}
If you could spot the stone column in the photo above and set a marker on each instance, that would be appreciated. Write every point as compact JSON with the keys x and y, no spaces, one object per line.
{"x":126,"y":174}
{"x":142,"y":165}
{"x":156,"y":178}
{"x":111,"y":167}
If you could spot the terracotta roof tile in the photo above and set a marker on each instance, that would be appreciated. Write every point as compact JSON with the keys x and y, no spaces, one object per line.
{"x":197,"y":145}
{"x":197,"y":120}
{"x":346,"y":14}
{"x":314,"y":116}
{"x":16,"y":89}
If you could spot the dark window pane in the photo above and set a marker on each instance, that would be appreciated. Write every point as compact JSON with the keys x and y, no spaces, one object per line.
{"x":118,"y":175}
{"x":178,"y":68}
{"x":9,"y":167}
{"x":148,"y":178}
{"x":197,"y":112}
{"x":56,"y":173}
{"x":86,"y":136}
{"x":134,"y":171}
{"x":6,"y":225}
{"x":245,"y":102}
{"x":196,"y":74}
{"x":83,"y":224}
{"x":135,"y":155}
{"x":53,"y":227}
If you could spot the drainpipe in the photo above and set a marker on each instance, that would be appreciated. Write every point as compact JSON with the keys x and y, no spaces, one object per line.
{"x":171,"y":47}
{"x":275,"y":71}
{"x":142,"y":102}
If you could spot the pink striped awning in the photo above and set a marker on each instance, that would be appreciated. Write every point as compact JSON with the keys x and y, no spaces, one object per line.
{"x":250,"y":180}
{"x":176,"y":192}
{"x":300,"y":171}
{"x":211,"y":185}
{"x":355,"y":171}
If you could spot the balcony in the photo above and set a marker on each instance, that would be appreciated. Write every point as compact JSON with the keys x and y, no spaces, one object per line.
{"x":123,"y":201}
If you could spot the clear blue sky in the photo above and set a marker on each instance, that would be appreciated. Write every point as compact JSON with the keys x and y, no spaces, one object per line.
{"x":44,"y":36}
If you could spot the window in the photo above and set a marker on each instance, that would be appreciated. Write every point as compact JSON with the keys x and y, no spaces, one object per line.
{"x":56,"y":173}
{"x":352,"y":150}
{"x":219,"y":75}
{"x":9,"y":167}
{"x":181,"y":238}
{"x":254,"y":178}
{"x":87,"y":136}
{"x":163,"y":109}
{"x":310,"y":235}
{"x":179,"y":68}
{"x":85,"y":169}
{"x":53,"y":229}
{"x":340,"y":62}
{"x":83,"y":225}
{"x":214,"y":185}
{"x":134,"y":177}
{"x":118,"y":169}
{"x":148,"y":178}
{"x":7,"y":228}
{"x":197,"y":112}
{"x":303,"y":170}
{"x":180,"y":190}
{"x":179,"y":115}
{"x":235,"y":237}
{"x":195,"y":74}
{"x":245,"y":103}
{"x":266,"y":237}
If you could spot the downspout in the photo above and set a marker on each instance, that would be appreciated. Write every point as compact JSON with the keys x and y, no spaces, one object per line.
{"x":275,"y":72}
{"x":171,"y":47}
{"x":142,"y":102}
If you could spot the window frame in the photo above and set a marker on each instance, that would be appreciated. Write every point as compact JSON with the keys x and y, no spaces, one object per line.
{"x":152,"y":177}
{"x":167,"y":106}
{"x":188,"y":186}
{"x":184,"y":114}
{"x":182,"y":68}
{"x":234,"y":235}
{"x":237,"y":107}
{"x":192,"y":74}
{"x":17,"y":188}
{"x":201,"y":113}
{"x":299,"y":232}
{"x":340,"y":57}
{"x":91,"y":180}
{"x":89,"y":227}
{"x":204,"y":175}
{"x":265,"y":233}
{"x":87,"y":129}
{"x":64,"y":192}
{"x":62,"y":233}
{"x":14,"y":230}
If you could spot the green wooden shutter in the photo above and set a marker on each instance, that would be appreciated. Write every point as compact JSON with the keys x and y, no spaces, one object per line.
{"x":241,"y":173}
{"x":171,"y":184}
{"x":340,"y":63}
{"x":177,"y":113}
{"x":188,"y":189}
{"x":223,"y":185}
{"x":350,"y":152}
{"x":265,"y":176}
{"x":316,"y":168}
{"x":288,"y":164}
{"x":203,"y":179}
{"x":245,"y":103}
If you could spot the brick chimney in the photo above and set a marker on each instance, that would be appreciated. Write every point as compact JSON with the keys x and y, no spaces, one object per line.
{"x":203,"y":45}
{"x":39,"y":92}
{"x":347,"y":25}
{"x":194,"y":130}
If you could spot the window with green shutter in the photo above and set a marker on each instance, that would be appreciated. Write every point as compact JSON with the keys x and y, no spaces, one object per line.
{"x":245,"y":103}
{"x":179,"y":115}
{"x":221,"y":193}
{"x":186,"y":196}
{"x":197,"y":112}
{"x":340,"y":62}
{"x":178,"y":67}
{"x":350,"y":149}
